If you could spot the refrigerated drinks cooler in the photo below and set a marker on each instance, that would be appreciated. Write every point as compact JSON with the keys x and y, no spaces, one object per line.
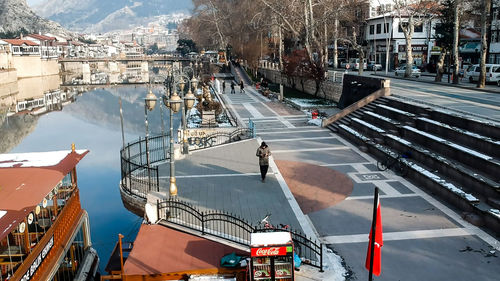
{"x":272,"y":256}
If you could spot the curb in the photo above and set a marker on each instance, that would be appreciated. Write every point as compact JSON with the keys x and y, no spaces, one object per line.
{"x":438,"y":83}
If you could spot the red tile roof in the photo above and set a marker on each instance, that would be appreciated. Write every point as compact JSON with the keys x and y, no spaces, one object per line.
{"x":19,"y":42}
{"x":41,"y":37}
{"x":23,"y":188}
{"x":159,"y":249}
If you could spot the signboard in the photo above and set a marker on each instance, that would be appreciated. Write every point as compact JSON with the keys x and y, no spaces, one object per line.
{"x":38,"y":260}
{"x":383,"y":48}
{"x":270,"y":251}
{"x":414,"y":48}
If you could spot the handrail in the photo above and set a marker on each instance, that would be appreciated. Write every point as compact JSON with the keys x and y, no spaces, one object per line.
{"x":233,"y":228}
{"x":139,"y":179}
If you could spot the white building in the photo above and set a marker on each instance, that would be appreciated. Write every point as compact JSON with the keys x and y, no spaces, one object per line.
{"x":494,"y":56}
{"x":377,"y":37}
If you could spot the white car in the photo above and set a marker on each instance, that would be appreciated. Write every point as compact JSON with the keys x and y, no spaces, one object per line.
{"x":414,"y":71}
{"x":492,"y":73}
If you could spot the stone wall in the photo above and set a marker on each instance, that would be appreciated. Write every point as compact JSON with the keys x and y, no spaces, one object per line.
{"x":329,"y":90}
{"x":34,"y":66}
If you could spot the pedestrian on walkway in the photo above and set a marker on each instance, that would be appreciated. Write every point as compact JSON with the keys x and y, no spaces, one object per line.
{"x":263,"y":152}
{"x":232,"y":87}
{"x":241,"y":87}
{"x":223,"y":87}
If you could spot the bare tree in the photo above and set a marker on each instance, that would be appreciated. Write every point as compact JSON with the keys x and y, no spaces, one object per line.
{"x":485,"y":16}
{"x":412,"y":13}
{"x":457,"y":7}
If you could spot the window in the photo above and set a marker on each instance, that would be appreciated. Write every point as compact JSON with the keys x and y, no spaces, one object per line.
{"x":372,"y":29}
{"x":386,"y":29}
{"x":400,"y":29}
{"x":419,"y":28}
{"x":379,"y":28}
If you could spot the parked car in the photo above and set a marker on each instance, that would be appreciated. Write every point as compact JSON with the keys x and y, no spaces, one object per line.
{"x":354,"y":64}
{"x":414,"y":71}
{"x":374,"y":66}
{"x":492,"y":73}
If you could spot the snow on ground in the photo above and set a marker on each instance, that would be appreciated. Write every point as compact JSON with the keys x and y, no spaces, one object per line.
{"x":310,"y":102}
{"x":332,"y":266}
{"x":316,"y":122}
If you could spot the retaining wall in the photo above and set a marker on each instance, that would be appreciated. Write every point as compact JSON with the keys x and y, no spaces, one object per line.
{"x":329,"y":90}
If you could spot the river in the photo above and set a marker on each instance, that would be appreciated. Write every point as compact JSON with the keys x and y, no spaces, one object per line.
{"x":91,"y":121}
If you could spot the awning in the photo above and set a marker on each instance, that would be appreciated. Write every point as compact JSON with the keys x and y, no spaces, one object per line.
{"x":470,"y":47}
{"x":162,"y":250}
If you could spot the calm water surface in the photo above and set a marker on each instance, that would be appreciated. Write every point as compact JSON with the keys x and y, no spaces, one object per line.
{"x":91,"y":122}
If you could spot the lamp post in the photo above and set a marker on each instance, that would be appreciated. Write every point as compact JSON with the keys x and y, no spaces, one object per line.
{"x":174,"y":103}
{"x":149,"y":105}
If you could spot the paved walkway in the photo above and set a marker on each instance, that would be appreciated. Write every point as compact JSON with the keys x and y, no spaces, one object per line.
{"x":323,"y":185}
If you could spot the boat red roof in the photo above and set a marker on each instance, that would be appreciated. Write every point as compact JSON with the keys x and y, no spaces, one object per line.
{"x":26,"y":178}
{"x":19,"y":42}
{"x":159,"y":249}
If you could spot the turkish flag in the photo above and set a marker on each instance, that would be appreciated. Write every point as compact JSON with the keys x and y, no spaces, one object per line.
{"x":377,"y":263}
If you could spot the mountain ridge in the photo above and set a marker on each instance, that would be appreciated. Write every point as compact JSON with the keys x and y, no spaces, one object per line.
{"x":104,"y":16}
{"x":16,"y":14}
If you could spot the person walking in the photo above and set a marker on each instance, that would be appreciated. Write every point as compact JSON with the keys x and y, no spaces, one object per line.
{"x":232,"y":87}
{"x":223,"y":87}
{"x":241,"y":87}
{"x":263,"y":152}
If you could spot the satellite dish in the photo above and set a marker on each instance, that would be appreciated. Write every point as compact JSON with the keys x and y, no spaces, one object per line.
{"x":44,"y":202}
{"x":37,"y":210}
{"x":151,"y":214}
{"x":22,"y":227}
{"x":30,"y":218}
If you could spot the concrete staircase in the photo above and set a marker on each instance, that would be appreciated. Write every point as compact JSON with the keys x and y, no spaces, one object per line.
{"x":454,"y":156}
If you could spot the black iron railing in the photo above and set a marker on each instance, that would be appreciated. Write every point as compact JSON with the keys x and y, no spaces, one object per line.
{"x":218,"y":138}
{"x":137,"y":178}
{"x":231,"y":227}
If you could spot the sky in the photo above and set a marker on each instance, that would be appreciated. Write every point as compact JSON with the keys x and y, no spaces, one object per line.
{"x":33,"y":2}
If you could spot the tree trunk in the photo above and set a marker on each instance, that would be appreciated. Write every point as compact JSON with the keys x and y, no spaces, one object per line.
{"x":280,"y":48}
{"x":361,"y":56}
{"x":409,"y":55}
{"x":325,"y":51}
{"x":440,"y":66}
{"x":456,"y":28}
{"x":484,"y":43}
{"x":335,"y":43}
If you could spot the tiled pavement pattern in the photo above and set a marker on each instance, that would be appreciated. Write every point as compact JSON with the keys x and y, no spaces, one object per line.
{"x":423,"y":238}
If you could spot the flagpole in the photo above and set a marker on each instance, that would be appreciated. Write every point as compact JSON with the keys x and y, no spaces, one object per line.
{"x":374,"y":223}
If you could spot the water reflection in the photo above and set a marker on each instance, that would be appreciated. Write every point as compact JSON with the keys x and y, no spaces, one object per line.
{"x":91,"y":120}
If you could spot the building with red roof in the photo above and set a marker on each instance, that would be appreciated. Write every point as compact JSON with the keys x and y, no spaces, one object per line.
{"x":48,"y":45}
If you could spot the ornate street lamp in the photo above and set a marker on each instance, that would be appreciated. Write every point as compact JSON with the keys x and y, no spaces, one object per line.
{"x":174,"y":103}
{"x":149,"y":105}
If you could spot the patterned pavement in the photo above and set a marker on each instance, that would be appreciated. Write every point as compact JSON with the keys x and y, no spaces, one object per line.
{"x":324,"y":185}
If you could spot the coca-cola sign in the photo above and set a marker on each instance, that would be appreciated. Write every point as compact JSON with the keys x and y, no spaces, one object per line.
{"x":270,"y":251}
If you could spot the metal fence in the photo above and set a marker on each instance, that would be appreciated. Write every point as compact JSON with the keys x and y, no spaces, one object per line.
{"x":218,"y":138}
{"x":231,"y":227}
{"x":137,"y":177}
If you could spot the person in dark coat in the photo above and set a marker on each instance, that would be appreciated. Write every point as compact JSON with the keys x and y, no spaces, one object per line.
{"x":232,"y":88}
{"x":263,"y":152}
{"x":223,"y":87}
{"x":241,"y":87}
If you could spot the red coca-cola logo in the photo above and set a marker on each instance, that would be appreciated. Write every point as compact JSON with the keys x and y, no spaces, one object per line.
{"x":271,"y":251}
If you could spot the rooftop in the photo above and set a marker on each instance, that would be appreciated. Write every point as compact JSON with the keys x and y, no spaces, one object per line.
{"x":154,"y":245}
{"x":19,"y":42}
{"x":27,"y":178}
{"x":41,"y":37}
